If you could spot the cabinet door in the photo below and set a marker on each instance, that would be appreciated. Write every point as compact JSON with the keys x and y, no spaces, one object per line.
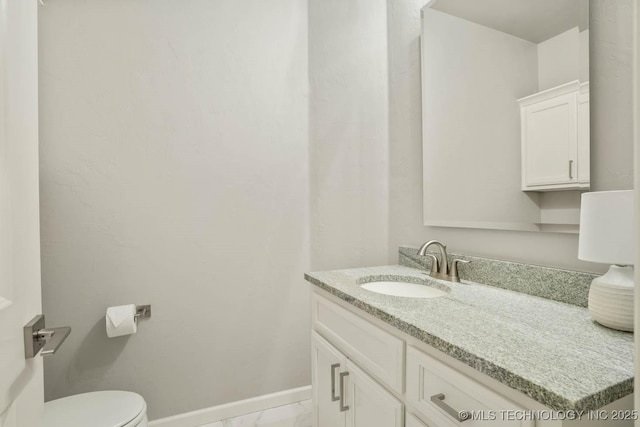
{"x":326,"y":364}
{"x":413,"y":421}
{"x":370,"y":405}
{"x":375,"y":350}
{"x":550,"y":140}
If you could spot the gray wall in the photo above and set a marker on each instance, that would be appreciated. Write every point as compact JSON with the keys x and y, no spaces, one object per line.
{"x":612,"y":121}
{"x":612,"y":94}
{"x":174,"y":172}
{"x":349,"y":133}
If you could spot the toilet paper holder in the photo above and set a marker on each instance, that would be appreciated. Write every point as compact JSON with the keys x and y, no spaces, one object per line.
{"x":142,"y":311}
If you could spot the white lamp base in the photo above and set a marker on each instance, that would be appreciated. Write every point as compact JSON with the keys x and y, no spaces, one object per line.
{"x":611,"y":298}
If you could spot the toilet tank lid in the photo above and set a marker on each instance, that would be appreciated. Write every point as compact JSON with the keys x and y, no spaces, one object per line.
{"x":96,"y":409}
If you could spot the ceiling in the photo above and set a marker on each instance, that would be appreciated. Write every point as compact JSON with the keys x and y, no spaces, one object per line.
{"x":533,"y":20}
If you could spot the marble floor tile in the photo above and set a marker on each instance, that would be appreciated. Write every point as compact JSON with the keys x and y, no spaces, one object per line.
{"x":293,"y":415}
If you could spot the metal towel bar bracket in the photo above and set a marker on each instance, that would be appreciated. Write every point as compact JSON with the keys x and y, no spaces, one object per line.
{"x":37,"y":337}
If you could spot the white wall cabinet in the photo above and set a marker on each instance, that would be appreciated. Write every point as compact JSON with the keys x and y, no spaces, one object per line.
{"x":345,"y":396}
{"x":555,"y":139}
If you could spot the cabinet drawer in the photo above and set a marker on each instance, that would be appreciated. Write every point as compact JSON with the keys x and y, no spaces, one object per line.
{"x":451,"y":391}
{"x":375,"y":350}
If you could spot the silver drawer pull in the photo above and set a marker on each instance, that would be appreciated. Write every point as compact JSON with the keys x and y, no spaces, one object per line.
{"x":334,"y":398}
{"x":459,"y":416}
{"x":343,"y":407}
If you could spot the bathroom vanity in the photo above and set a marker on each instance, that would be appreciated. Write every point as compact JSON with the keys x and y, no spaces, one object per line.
{"x":479,"y":355}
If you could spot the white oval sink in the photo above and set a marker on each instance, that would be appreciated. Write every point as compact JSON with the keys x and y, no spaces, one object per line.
{"x":403,"y":289}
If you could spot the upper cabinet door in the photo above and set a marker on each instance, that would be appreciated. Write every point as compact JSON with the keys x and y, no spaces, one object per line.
{"x":550,"y":141}
{"x":555,"y":144}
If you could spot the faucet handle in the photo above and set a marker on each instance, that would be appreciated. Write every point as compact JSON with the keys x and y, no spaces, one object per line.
{"x":435,"y":264}
{"x":454,"y":269}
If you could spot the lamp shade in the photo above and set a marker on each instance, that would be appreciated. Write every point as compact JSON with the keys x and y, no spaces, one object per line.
{"x":607,"y":227}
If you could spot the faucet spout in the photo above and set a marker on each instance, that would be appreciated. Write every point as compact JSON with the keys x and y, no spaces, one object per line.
{"x":443,"y":268}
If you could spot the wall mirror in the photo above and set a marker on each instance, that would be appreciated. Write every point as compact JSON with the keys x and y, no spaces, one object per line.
{"x":505,"y":96}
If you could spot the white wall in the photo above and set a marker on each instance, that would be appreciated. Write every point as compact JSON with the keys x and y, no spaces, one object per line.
{"x":559,"y":59}
{"x":563,"y":58}
{"x":611,"y":138}
{"x":349,"y":134}
{"x":174,"y":172}
{"x":472,"y":77}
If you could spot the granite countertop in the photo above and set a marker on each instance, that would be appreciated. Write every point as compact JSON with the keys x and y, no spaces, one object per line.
{"x":551,"y":351}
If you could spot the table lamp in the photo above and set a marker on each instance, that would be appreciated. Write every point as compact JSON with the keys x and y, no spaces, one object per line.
{"x":607,"y":236}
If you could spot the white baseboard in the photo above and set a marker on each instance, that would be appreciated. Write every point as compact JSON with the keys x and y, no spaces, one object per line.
{"x":234,"y":409}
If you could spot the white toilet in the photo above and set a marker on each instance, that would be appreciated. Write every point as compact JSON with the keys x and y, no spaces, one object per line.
{"x":97,"y":409}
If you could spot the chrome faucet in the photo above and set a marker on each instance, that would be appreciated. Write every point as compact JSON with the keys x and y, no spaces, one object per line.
{"x":440,"y":268}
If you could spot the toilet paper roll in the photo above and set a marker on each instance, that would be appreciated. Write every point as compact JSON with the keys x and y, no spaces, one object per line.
{"x":121,"y":320}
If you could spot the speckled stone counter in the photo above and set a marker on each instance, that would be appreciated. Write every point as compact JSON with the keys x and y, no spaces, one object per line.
{"x":548,"y":350}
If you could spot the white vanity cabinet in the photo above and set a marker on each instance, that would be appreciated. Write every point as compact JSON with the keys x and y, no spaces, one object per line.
{"x":347,"y":353}
{"x":359,"y":376}
{"x":345,"y":396}
{"x":327,"y":364}
{"x":366,"y":373}
{"x":412,"y":421}
{"x":370,"y":404}
{"x":555,"y":139}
